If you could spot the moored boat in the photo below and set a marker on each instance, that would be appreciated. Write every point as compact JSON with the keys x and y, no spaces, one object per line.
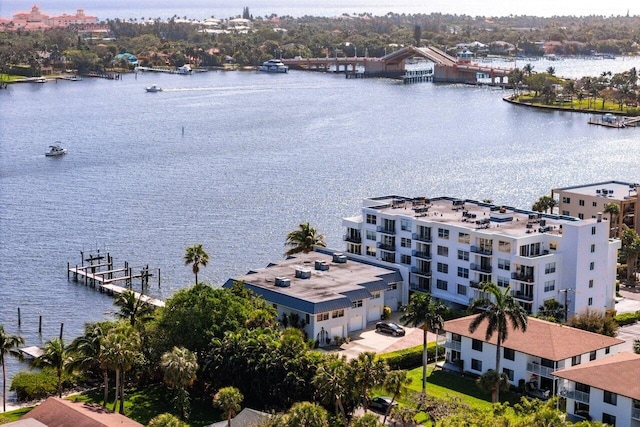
{"x":273,"y":66}
{"x":55,"y":150}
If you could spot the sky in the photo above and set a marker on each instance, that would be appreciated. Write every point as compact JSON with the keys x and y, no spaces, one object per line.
{"x":109,"y":8}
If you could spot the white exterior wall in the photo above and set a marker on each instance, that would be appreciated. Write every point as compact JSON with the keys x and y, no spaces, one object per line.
{"x":622,"y":410}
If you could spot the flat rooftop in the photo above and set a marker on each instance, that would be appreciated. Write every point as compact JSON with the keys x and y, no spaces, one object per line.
{"x":614,"y":190}
{"x":474,"y":215}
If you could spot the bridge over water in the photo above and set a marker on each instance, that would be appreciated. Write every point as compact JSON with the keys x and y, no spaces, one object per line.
{"x":447,"y":69}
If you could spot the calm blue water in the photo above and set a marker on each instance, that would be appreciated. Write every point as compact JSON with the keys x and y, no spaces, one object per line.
{"x":260,"y":153}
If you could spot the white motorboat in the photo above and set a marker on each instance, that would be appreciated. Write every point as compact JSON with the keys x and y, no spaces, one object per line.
{"x":273,"y":66}
{"x":153,"y":88}
{"x":55,"y":150}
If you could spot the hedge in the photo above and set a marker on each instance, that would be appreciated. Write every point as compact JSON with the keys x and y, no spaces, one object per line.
{"x":411,"y":358}
{"x":627,"y":318}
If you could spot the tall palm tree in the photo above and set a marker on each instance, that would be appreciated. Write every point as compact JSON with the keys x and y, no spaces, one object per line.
{"x":54,"y":355}
{"x":369,"y":372}
{"x":304,"y":239}
{"x":427,"y":313}
{"x":332,"y":384}
{"x":307,"y":414}
{"x":180,"y":366}
{"x":198,"y":257}
{"x":132,"y":308}
{"x":8,"y":347}
{"x":120,"y":348}
{"x":395,"y":382}
{"x":228,"y":399}
{"x":613,"y":209}
{"x":499,"y":310}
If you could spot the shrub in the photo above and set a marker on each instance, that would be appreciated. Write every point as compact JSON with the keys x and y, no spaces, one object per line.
{"x":34,"y":385}
{"x":627,"y":318}
{"x":386,"y":312}
{"x":411,"y":358}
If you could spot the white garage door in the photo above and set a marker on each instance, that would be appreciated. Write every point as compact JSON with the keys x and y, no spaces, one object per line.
{"x":355,"y":324}
{"x":373,"y":315}
{"x":336,"y":331}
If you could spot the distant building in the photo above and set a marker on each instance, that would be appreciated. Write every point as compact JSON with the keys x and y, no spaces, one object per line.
{"x":36,"y":20}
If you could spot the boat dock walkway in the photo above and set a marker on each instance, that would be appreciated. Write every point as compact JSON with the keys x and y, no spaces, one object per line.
{"x":617,"y":122}
{"x":103,"y":276}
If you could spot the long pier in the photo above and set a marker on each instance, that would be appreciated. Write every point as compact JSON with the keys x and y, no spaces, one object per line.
{"x":100,"y":274}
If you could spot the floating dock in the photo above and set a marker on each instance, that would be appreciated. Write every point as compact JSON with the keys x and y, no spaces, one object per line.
{"x":617,"y":122}
{"x":99,"y":273}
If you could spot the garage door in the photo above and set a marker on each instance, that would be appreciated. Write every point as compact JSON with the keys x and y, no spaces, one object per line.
{"x":355,"y":324}
{"x":391,"y":302}
{"x":373,"y":315}
{"x":336,"y":331}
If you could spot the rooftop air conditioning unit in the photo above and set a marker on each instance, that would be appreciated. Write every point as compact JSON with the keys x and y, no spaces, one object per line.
{"x":543,"y":222}
{"x":339,"y":257}
{"x":321,"y":265}
{"x":283,"y":282}
{"x":303,"y":273}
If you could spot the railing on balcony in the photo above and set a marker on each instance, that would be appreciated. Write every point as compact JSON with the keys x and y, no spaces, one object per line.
{"x":481,"y":268}
{"x":453,"y":345}
{"x":352,"y":239}
{"x":421,"y":271}
{"x":475,"y":284}
{"x":418,"y":287}
{"x":635,"y":413}
{"x":522,"y":277}
{"x":578,"y":396}
{"x":421,"y":254}
{"x":386,"y":247}
{"x":482,"y":251}
{"x":421,"y":237}
{"x":385,"y":230}
{"x":522,"y":295}
{"x":538,"y":369}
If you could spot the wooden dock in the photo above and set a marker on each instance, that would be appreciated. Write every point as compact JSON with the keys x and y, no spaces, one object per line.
{"x":99,"y":273}
{"x":617,"y":122}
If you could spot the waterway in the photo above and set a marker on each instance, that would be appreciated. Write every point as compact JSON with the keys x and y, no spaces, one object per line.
{"x":235,"y":160}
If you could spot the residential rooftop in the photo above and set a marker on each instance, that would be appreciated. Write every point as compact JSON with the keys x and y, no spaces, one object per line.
{"x":614,"y":190}
{"x":505,"y":220}
{"x":617,"y":373}
{"x":542,"y":339}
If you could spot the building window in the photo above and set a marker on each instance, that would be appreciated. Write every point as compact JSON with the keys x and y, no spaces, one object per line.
{"x":566,"y":200}
{"x":508,"y":372}
{"x":590,"y":302}
{"x":593,"y":248}
{"x":443,"y":250}
{"x":504,"y":246}
{"x":463,"y":272}
{"x":607,"y":350}
{"x":464,"y":238}
{"x":609,"y":419}
{"x":375,"y":295}
{"x":339,"y":313}
{"x":591,"y":283}
{"x":576,"y":360}
{"x":592,"y":355}
{"x":593,"y":230}
{"x":503,"y":282}
{"x":580,"y":216}
{"x":371,"y":250}
{"x":392,"y":286}
{"x":462,"y":289}
{"x":549,"y":285}
{"x":307,"y":318}
{"x":405,"y":259}
{"x":370,"y":235}
{"x":476,"y":365}
{"x":610,"y":398}
{"x":405,"y":243}
{"x":509,"y":353}
{"x":594,"y":204}
{"x":442,"y":285}
{"x":463,"y":255}
{"x":592,"y":265}
{"x":322,"y":316}
{"x":443,"y":268}
{"x":371,"y":219}
{"x":565,"y":213}
{"x":504,"y":264}
{"x":549,"y":268}
{"x":405,"y":225}
{"x":356,"y":304}
{"x":443,"y":233}
{"x":476,"y":345}
{"x":581,"y":202}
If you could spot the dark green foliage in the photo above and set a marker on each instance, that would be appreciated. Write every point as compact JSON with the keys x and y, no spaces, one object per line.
{"x":37,"y":385}
{"x":594,"y":321}
{"x":625,"y":319}
{"x":411,"y":358}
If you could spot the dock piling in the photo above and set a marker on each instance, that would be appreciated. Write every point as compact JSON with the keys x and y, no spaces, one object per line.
{"x":61,"y":329}
{"x":40,"y":325}
{"x":19,"y":320}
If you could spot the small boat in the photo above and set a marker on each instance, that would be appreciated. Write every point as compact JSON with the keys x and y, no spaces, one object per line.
{"x":273,"y":66}
{"x":55,"y":150}
{"x":153,"y":88}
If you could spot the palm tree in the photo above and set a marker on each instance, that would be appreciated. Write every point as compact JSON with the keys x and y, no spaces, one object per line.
{"x":427,"y":313}
{"x":331,"y":382}
{"x":54,"y":356}
{"x":499,"y":310}
{"x":395,"y":382}
{"x":198,"y":257}
{"x":132,"y":308}
{"x":8,"y":347}
{"x":613,"y":209}
{"x":307,"y":414}
{"x":304,"y":239}
{"x":180,"y":366}
{"x":120,"y":347}
{"x":228,"y":399}
{"x":369,"y":372}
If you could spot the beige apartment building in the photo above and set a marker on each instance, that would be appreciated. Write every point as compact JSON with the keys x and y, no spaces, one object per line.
{"x":586,"y":201}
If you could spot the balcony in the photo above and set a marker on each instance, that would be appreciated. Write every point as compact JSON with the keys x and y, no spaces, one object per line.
{"x":482,"y":251}
{"x":418,"y":287}
{"x":522,"y":277}
{"x":386,"y":247}
{"x":421,"y":237}
{"x":635,"y":414}
{"x":475,"y":284}
{"x":522,"y":296}
{"x":538,"y":369}
{"x":453,"y":345}
{"x":385,"y":230}
{"x":421,"y":271}
{"x":578,"y":396}
{"x":481,"y":268}
{"x":421,"y":254}
{"x":352,"y":239}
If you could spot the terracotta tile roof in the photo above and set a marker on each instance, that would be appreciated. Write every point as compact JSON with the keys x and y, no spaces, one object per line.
{"x":618,"y":373}
{"x":55,"y":412}
{"x":542,"y":339}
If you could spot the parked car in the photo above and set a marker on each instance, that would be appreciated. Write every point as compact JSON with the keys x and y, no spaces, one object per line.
{"x":390,"y":328}
{"x":381,"y":403}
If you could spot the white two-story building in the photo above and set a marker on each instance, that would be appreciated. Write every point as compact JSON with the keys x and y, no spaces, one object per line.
{"x":332,"y":294}
{"x":449,"y":247}
{"x":528,"y":358}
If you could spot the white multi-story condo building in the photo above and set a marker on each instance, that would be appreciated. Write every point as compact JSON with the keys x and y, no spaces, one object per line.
{"x":449,"y":247}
